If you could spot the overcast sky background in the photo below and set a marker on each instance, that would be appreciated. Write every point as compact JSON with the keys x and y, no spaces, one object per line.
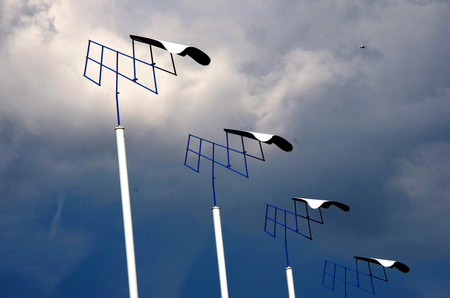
{"x":370,"y":128}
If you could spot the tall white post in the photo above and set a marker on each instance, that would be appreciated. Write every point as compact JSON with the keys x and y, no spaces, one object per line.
{"x":290,"y":282}
{"x":220,"y":252}
{"x":126,"y":209}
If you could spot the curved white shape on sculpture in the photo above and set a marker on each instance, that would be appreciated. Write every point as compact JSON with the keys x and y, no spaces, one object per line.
{"x":386,"y":263}
{"x":315,"y":203}
{"x":282,"y":143}
{"x":263,"y":137}
{"x":174,"y":48}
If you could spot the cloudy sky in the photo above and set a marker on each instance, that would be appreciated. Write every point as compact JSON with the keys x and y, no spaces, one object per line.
{"x":370,"y":128}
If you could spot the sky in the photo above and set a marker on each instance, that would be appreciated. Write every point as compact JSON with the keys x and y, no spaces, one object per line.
{"x":370,"y":129}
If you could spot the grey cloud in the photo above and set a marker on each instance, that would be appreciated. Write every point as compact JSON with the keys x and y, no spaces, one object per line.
{"x":370,"y":127}
{"x":18,"y":15}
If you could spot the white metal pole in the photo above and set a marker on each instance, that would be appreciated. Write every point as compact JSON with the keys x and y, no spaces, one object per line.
{"x":220,"y":252}
{"x":290,"y":282}
{"x":126,"y":209}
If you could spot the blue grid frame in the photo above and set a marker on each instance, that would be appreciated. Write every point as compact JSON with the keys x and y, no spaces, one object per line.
{"x":345,"y":279}
{"x":200,"y":152}
{"x":115,"y":69}
{"x":283,"y":222}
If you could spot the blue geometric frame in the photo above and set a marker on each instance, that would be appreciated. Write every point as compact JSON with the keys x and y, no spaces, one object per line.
{"x":196,"y":54}
{"x":115,"y":69}
{"x":200,"y":152}
{"x":359,"y":274}
{"x":284,"y":222}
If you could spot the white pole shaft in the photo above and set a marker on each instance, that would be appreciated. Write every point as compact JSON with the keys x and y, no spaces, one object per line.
{"x":290,"y":282}
{"x":126,"y":209}
{"x":220,"y":252}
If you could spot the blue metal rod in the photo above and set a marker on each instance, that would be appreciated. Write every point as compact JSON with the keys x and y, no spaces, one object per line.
{"x":265,"y":221}
{"x":245,"y":153}
{"x":285,"y":240}
{"x":373,"y":288}
{"x":214,"y":192}
{"x":154,"y":91}
{"x":134,"y":61}
{"x":309,"y":222}
{"x":151,"y":54}
{"x":154,"y":77}
{"x":323,"y":277}
{"x":199,"y":150}
{"x":185,"y":158}
{"x":379,"y":278}
{"x":228,"y":151}
{"x":345,"y":284}
{"x":214,"y":188}
{"x":357,"y":273}
{"x":262,"y":152}
{"x":91,"y":80}
{"x":100,"y":72}
{"x":295,"y":211}
{"x":87,"y":55}
{"x":384,"y":270}
{"x":275,"y":223}
{"x":328,"y":286}
{"x":85,"y":65}
{"x":154,"y":74}
{"x":245,"y":159}
{"x":270,"y":233}
{"x":189,"y":139}
{"x":190,"y":167}
{"x":213,"y":159}
{"x":117,"y":89}
{"x":334,"y":280}
{"x":173,"y":64}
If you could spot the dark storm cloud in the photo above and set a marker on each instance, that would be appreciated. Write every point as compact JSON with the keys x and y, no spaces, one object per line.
{"x":369,"y":128}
